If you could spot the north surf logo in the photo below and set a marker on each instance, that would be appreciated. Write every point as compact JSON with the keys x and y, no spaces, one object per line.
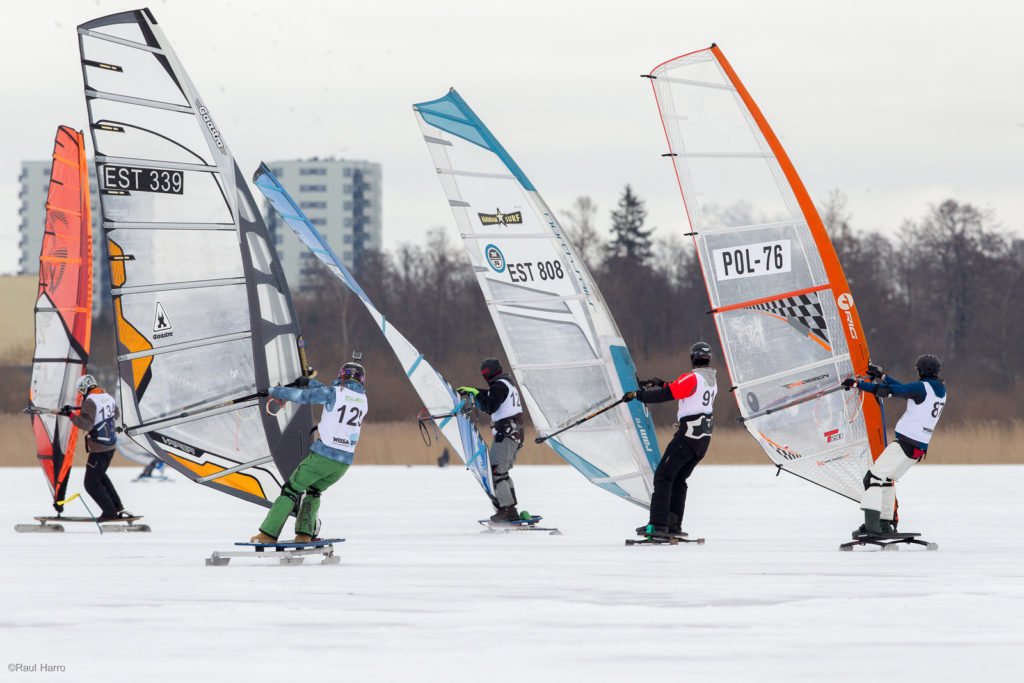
{"x":499,"y":218}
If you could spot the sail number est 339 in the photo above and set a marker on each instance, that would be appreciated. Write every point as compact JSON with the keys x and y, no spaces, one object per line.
{"x":128,"y":178}
{"x":749,"y":260}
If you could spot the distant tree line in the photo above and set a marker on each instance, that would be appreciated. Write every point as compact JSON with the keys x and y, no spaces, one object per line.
{"x":946,"y":283}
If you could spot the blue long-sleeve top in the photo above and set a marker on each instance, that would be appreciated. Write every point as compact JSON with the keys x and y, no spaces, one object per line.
{"x":912,"y":391}
{"x":321,"y":394}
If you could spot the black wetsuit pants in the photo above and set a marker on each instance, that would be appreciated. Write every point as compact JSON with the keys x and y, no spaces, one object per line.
{"x":98,"y":484}
{"x":681,"y":455}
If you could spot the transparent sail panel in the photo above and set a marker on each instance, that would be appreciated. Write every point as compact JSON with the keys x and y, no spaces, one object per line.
{"x":772,"y":276}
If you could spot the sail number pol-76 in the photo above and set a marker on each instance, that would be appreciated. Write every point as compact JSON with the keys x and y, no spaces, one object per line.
{"x":748,"y":260}
{"x":143,"y":179}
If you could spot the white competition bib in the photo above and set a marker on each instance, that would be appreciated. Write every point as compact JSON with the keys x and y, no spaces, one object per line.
{"x":339,"y":426}
{"x":919,"y":421}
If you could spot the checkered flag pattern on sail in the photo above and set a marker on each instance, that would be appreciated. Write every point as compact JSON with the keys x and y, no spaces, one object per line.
{"x":802,"y":311}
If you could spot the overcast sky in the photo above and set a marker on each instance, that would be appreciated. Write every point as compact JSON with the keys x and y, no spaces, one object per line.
{"x":898,"y":103}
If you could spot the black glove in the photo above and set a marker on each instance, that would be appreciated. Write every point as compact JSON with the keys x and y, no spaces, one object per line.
{"x":849,"y":383}
{"x":629,"y":396}
{"x":653,"y":382}
{"x":262,"y":393}
{"x":65,"y":411}
{"x":302,"y":381}
{"x":883,"y":391}
{"x":875,"y":371}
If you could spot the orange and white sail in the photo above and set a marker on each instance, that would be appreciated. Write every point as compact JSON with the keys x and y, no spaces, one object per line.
{"x":63,"y":310}
{"x":786,"y":318}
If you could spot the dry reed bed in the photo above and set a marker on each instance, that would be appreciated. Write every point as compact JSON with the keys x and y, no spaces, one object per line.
{"x":399,"y":443}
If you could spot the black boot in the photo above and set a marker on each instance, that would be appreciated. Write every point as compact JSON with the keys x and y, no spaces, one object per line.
{"x":675,"y":525}
{"x":651,"y":530}
{"x":506,"y":514}
{"x":887,"y":527}
{"x":872,"y":525}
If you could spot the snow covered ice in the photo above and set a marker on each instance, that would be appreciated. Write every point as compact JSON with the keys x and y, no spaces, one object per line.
{"x":422,"y":595}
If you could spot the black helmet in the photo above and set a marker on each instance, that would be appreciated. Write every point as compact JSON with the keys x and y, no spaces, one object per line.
{"x":700,"y":354}
{"x":490,"y":368}
{"x":928,"y":366}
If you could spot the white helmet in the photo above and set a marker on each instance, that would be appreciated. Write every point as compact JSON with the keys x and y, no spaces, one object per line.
{"x":85,"y":384}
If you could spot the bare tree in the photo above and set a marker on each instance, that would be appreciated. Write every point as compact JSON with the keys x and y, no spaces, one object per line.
{"x":581,"y":231}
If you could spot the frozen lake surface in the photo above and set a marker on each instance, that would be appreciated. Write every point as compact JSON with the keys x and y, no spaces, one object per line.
{"x":422,"y":595}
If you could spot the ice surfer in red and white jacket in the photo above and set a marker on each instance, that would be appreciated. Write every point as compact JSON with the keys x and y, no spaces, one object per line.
{"x":695,"y":391}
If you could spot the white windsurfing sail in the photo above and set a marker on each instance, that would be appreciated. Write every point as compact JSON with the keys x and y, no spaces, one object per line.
{"x":202,"y":313}
{"x":564,"y":347}
{"x":437,"y":395}
{"x":786,"y":319}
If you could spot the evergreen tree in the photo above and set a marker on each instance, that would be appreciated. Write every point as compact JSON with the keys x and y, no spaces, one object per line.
{"x":629,"y":239}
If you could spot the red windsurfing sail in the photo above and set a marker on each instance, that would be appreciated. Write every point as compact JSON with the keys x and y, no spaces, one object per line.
{"x":63,"y":310}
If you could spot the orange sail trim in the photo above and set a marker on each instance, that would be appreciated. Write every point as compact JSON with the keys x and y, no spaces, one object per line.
{"x":766,"y":299}
{"x":236,"y":480}
{"x":853,"y":330}
{"x":63,"y":308}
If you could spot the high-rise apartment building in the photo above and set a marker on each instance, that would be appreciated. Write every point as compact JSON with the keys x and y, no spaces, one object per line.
{"x":341,"y":198}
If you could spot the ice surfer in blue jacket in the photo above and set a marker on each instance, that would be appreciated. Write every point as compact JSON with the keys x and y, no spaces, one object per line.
{"x":345,"y":407}
{"x":925,"y":400}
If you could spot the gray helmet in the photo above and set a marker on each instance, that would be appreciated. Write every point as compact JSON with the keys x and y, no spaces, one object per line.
{"x":700,"y":354}
{"x":86,"y":383}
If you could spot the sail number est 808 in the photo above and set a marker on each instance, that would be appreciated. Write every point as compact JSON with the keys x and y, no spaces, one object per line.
{"x":132,"y":179}
{"x":749,"y":260}
{"x":540,"y":270}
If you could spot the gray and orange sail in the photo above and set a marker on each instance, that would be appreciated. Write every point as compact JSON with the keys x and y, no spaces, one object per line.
{"x":786,"y":318}
{"x":63,"y":310}
{"x":203,"y":316}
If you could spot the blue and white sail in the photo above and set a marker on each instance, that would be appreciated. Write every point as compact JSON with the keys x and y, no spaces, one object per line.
{"x":437,"y":395}
{"x":564,"y":348}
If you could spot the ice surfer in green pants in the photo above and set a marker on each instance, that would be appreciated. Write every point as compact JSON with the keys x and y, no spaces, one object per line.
{"x":345,"y":407}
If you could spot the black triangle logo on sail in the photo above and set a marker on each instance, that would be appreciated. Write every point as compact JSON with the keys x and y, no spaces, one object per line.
{"x":161,"y":323}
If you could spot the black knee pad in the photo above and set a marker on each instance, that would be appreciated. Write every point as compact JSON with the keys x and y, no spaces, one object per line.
{"x":313,"y":493}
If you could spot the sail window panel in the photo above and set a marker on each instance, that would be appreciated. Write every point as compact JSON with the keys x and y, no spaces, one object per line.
{"x":745,"y":265}
{"x":702,"y":120}
{"x":186,"y":315}
{"x":50,"y":385}
{"x":177,"y":256}
{"x":699,"y":66}
{"x":537,"y":340}
{"x":259,"y":252}
{"x":466,"y":155}
{"x":509,"y":292}
{"x":51,"y":335}
{"x":143,"y":75}
{"x":498,"y":206}
{"x":200,"y":200}
{"x":761,"y":343}
{"x":732,"y":192}
{"x":590,"y":391}
{"x":127,"y":31}
{"x":283,"y":364}
{"x":186,"y":380}
{"x":807,"y":428}
{"x":149,"y":133}
{"x":273,"y":305}
{"x":235,"y":436}
{"x":603,"y":449}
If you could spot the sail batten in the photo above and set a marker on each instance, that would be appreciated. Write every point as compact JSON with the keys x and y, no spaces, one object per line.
{"x":561,"y":342}
{"x":785,"y":316}
{"x":203,"y":315}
